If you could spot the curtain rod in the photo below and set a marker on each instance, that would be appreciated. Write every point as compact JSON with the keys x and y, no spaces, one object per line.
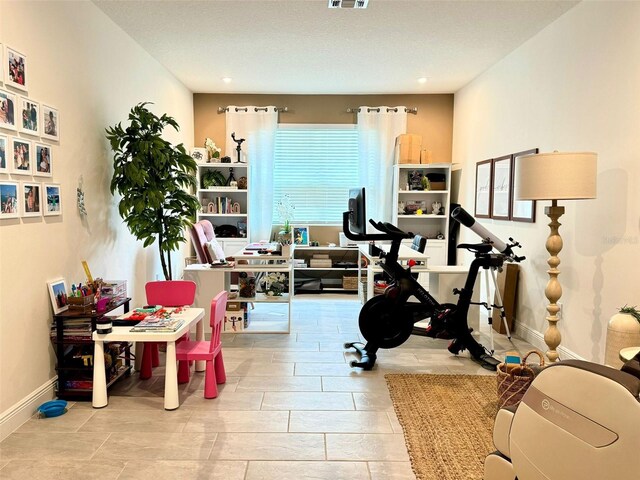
{"x":257,"y":109}
{"x":413,"y":110}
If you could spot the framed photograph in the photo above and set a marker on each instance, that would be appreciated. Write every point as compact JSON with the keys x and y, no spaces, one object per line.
{"x":521,"y":210}
{"x":43,"y":160}
{"x":15,"y":69}
{"x":31,"y":199}
{"x":21,"y":154}
{"x":199,"y":155}
{"x":52,"y":202}
{"x":501,"y":190}
{"x":301,"y":235}
{"x":4,"y":166}
{"x":8,"y":200}
{"x":8,"y":110}
{"x":1,"y":63}
{"x":483,"y":189}
{"x":29,"y":116}
{"x":58,"y":292}
{"x":50,"y":123}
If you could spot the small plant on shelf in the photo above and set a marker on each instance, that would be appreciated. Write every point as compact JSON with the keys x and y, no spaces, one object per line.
{"x":213,"y":151}
{"x":274,"y":284}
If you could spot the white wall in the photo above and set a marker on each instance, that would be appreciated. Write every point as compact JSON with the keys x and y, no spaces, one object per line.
{"x":87,"y":67}
{"x":572,"y":87}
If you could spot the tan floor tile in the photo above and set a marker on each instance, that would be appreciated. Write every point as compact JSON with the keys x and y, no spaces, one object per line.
{"x":395,"y":423}
{"x":307,"y":401}
{"x":62,"y":469}
{"x":379,"y":401}
{"x":325,"y":369}
{"x":307,"y":470}
{"x":276,"y":384}
{"x":257,"y":369}
{"x":69,"y":422}
{"x":51,"y":446}
{"x":375,"y":446}
{"x":325,"y":337}
{"x":391,"y":471}
{"x":339,"y":422}
{"x":268,"y":446}
{"x":183,"y":470}
{"x":309,"y":357}
{"x":290,"y":347}
{"x":354,"y":384}
{"x":120,"y":402}
{"x":238,"y":421}
{"x":337,"y":346}
{"x":157,"y":446}
{"x":137,"y":421}
{"x":241,"y":400}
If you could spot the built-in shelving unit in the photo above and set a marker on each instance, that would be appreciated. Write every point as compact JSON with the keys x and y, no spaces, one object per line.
{"x":331,"y":277}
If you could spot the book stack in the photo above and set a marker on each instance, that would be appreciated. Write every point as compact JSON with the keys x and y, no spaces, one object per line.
{"x":158,"y":324}
{"x":74,"y":330}
{"x":299,"y":263}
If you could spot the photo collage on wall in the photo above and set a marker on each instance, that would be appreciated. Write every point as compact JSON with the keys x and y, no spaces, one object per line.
{"x":29,"y":132}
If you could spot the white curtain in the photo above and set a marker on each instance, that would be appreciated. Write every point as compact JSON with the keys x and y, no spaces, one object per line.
{"x":378,"y":128}
{"x":257,"y":125}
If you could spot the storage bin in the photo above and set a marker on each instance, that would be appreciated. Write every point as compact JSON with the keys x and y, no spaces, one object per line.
{"x":408,"y":148}
{"x":81,"y":304}
{"x":350,"y":283}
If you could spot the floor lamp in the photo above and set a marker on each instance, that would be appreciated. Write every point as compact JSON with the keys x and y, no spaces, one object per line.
{"x":555,"y":176}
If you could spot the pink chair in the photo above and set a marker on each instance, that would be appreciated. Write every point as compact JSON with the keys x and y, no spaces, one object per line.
{"x":169,"y":293}
{"x":211,"y":351}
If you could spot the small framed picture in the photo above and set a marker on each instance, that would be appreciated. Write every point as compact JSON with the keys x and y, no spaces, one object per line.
{"x":242,"y":228}
{"x":8,"y":200}
{"x":501,"y":190}
{"x":7,"y":110}
{"x":483,"y":189}
{"x":43,"y":160}
{"x":1,"y":63}
{"x":52,"y":202}
{"x":50,"y":123}
{"x":4,"y":166}
{"x":199,"y":155}
{"x":301,"y":235}
{"x":521,"y":210}
{"x":29,"y":116}
{"x":15,"y":74}
{"x":31,"y":199}
{"x":58,"y":292}
{"x":21,"y":154}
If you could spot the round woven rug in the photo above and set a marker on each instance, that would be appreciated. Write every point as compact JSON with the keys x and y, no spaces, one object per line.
{"x":447,"y":422}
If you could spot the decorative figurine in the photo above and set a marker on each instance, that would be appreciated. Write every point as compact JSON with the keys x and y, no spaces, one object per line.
{"x":231,"y":177}
{"x":436,"y":208}
{"x":238,"y":147}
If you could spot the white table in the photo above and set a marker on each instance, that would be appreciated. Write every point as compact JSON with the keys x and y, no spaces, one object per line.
{"x":124,"y":334}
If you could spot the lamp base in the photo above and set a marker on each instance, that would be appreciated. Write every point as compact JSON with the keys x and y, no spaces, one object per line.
{"x":553,"y":290}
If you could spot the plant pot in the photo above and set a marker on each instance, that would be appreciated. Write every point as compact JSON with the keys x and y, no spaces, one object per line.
{"x":623,"y":331}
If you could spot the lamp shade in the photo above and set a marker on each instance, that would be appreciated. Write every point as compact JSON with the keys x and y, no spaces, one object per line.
{"x":556,"y":176}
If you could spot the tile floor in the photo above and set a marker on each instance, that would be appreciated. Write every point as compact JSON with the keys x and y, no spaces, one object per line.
{"x":291,"y":409}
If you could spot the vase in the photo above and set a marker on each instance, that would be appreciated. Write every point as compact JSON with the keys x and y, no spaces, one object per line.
{"x":623,"y":331}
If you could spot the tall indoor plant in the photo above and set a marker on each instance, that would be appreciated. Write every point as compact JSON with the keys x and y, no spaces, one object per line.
{"x":151,"y":174}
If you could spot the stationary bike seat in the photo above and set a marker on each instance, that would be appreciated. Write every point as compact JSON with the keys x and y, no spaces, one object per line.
{"x":477,"y":247}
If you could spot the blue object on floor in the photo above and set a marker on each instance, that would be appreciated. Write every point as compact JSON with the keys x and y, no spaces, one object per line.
{"x":53,"y":408}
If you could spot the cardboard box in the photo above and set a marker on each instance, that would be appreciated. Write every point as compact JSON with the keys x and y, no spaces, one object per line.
{"x":408,"y":148}
{"x":508,"y":286}
{"x":234,"y":306}
{"x":233,"y":321}
{"x":426,"y":156}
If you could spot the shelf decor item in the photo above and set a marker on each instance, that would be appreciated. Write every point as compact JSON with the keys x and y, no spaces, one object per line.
{"x":623,"y":331}
{"x":213,"y":151}
{"x":301,"y":235}
{"x":58,"y":294}
{"x":274,"y":284}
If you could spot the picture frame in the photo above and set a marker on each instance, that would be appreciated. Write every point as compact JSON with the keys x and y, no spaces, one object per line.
{"x":31,"y":194}
{"x":15,"y":69}
{"x":43,"y":161}
{"x":29,"y":117}
{"x":200,"y":155}
{"x":9,"y":204}
{"x":300,"y":235}
{"x":8,"y":110}
{"x":50,"y":124}
{"x":21,"y":152}
{"x":1,"y":63}
{"x":4,"y":148}
{"x":521,"y":210}
{"x":51,"y":199}
{"x":501,"y":188}
{"x":58,"y":292}
{"x":483,"y":189}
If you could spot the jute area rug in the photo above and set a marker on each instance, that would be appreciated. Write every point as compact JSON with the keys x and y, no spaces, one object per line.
{"x":447,"y":422}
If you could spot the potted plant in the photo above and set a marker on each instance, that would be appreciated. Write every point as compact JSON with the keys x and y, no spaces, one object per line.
{"x":151,"y":175}
{"x":623,"y":331}
{"x":285,"y":211}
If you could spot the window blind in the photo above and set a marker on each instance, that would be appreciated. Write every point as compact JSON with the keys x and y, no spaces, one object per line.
{"x":315,"y":165}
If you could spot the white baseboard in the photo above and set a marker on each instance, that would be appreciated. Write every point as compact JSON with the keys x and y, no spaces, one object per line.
{"x":536,"y":339}
{"x":22,"y":411}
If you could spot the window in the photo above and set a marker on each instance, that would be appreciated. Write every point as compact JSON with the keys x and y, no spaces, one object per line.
{"x":315,"y":165}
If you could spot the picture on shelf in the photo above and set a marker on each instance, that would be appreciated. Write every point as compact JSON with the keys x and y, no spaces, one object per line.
{"x":21,"y":156}
{"x":58,"y":293}
{"x":32,"y":205}
{"x":301,"y":235}
{"x":52,"y":197}
{"x":29,"y":120}
{"x":7,"y":110}
{"x":50,"y":123}
{"x":8,"y":200}
{"x":242,"y":228}
{"x":42,"y":166}
{"x":4,"y":167}
{"x":15,"y":69}
{"x":414,"y":180}
{"x":199,"y":155}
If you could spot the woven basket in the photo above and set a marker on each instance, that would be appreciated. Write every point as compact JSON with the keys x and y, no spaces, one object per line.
{"x":513,"y":382}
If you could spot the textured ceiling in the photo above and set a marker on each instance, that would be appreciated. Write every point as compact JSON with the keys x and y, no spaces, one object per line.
{"x":301,"y":46}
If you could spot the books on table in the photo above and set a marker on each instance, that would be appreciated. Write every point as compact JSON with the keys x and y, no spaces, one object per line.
{"x":158,"y":324}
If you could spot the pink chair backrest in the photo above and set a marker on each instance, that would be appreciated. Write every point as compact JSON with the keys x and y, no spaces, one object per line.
{"x":171,"y":293}
{"x":218,"y":310}
{"x":201,"y":233}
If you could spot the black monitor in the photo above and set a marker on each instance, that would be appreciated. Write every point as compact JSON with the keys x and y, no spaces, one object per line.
{"x":357,"y":211}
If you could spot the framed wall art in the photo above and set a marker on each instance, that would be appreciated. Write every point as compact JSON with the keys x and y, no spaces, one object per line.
{"x":521,"y":210}
{"x":15,"y":69}
{"x":50,"y":123}
{"x":4,"y":166}
{"x":501,"y":190}
{"x":52,"y":202}
{"x":42,"y":165}
{"x":1,"y":63}
{"x":8,"y":200}
{"x":29,"y":116}
{"x":58,"y":292}
{"x":8,"y":110}
{"x":301,"y":235}
{"x":483,"y":189}
{"x":31,"y":199}
{"x":21,"y":151}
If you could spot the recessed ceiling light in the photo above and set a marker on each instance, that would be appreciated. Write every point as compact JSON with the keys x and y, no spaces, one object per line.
{"x":422,"y":80}
{"x":226,"y":79}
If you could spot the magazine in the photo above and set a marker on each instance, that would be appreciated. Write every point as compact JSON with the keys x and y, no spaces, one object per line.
{"x":158,"y":324}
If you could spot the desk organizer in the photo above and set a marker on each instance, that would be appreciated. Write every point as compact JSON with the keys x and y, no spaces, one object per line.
{"x":81,"y":304}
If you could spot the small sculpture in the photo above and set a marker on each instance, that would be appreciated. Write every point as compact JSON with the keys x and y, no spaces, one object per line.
{"x":238,"y":147}
{"x":436,"y":208}
{"x":401,"y":206}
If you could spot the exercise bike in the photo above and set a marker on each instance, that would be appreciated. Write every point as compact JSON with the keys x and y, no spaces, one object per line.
{"x":387,"y":321}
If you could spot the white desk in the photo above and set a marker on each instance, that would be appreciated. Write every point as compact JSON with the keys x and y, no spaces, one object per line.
{"x":124,"y":334}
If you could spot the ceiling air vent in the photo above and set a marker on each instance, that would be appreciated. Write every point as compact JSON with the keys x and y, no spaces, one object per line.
{"x":348,"y":3}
